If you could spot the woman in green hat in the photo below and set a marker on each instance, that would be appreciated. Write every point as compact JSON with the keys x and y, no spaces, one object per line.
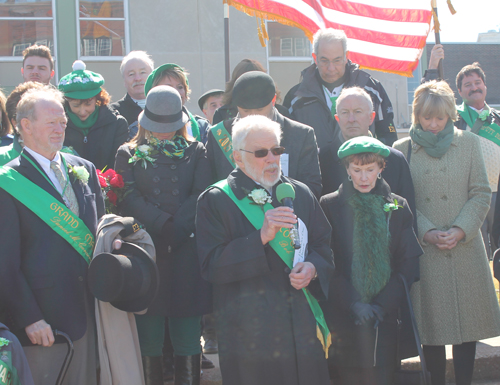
{"x":373,"y":242}
{"x":175,"y":76}
{"x":94,"y":130}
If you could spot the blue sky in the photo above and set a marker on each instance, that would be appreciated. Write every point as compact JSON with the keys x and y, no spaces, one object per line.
{"x":472,"y":17}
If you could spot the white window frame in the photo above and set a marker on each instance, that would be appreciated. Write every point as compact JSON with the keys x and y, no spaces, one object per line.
{"x":19,"y":59}
{"x":286,"y":59}
{"x":125,"y":20}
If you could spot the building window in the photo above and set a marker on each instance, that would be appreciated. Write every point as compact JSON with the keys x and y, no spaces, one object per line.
{"x":102,"y":28}
{"x":286,"y":41}
{"x":24,"y":23}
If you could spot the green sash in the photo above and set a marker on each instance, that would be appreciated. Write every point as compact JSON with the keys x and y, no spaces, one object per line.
{"x":195,"y":129}
{"x":224,"y":141}
{"x":50,"y":210}
{"x":283,"y":247}
{"x":8,"y":373}
{"x":479,"y":127}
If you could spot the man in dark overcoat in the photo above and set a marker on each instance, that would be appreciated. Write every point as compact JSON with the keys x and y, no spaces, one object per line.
{"x":255,"y":94}
{"x":354,"y":116}
{"x":267,"y":331}
{"x":50,"y":204}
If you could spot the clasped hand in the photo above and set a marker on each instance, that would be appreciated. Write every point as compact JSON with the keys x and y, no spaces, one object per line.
{"x":444,"y":240}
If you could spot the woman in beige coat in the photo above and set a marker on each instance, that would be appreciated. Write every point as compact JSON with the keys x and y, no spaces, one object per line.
{"x":454,"y":301}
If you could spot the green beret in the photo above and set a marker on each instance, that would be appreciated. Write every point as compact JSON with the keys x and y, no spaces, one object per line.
{"x":363,"y":144}
{"x":254,"y":89}
{"x":81,"y":84}
{"x":157,"y":72}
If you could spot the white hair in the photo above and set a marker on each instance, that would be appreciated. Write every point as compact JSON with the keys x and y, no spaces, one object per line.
{"x":355,"y":91}
{"x":329,"y":35}
{"x":27,"y":105}
{"x":252,"y":123}
{"x":142,"y":55}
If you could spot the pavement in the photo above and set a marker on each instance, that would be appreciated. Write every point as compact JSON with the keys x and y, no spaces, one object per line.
{"x":486,"y":368}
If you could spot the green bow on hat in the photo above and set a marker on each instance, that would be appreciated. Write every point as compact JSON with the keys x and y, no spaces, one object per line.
{"x":157,"y":72}
{"x":363,"y":144}
{"x":81,"y":84}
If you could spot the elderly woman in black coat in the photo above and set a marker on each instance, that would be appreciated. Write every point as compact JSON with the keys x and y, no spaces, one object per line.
{"x":373,"y":242}
{"x":168,"y":170}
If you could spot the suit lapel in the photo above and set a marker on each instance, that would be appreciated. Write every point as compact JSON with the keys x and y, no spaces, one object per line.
{"x":35,"y":176}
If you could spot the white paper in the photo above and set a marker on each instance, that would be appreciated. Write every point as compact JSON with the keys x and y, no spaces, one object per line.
{"x":284,"y":164}
{"x":301,"y":253}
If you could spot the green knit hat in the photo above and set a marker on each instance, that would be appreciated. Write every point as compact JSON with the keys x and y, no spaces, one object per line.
{"x":81,"y":84}
{"x":363,"y":144}
{"x":157,"y":72}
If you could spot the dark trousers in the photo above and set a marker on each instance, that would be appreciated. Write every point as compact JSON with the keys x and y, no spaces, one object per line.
{"x":463,"y":362}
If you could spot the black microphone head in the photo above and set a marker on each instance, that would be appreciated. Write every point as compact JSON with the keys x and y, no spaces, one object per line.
{"x":285,"y":190}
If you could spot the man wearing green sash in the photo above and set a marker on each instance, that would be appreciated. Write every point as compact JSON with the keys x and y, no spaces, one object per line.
{"x":50,"y":204}
{"x":484,"y":121}
{"x":269,"y":324}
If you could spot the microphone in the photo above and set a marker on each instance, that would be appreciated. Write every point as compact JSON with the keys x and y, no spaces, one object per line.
{"x":285,"y":193}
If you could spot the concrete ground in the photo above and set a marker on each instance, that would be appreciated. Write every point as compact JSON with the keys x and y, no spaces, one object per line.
{"x":486,"y":369}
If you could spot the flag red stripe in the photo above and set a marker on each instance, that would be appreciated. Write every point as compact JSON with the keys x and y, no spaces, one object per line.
{"x":389,"y":14}
{"x":386,"y":65}
{"x":389,"y":39}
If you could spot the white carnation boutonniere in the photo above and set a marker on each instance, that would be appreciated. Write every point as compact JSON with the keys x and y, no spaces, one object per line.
{"x":389,"y":207}
{"x":259,"y":196}
{"x":142,"y":153}
{"x":80,"y":173}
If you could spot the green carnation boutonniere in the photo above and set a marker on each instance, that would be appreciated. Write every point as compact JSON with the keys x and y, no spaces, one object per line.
{"x":142,"y":153}
{"x":390,"y":207}
{"x":4,"y":342}
{"x":259,"y":196}
{"x":80,"y":173}
{"x":484,"y":115}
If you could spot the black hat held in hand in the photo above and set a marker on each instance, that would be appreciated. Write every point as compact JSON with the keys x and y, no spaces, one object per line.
{"x":127,"y":278}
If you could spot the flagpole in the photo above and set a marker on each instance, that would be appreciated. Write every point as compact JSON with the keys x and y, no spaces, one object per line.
{"x":226,"y":41}
{"x":437,"y":37}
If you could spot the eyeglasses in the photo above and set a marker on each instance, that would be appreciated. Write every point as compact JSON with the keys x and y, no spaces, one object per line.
{"x":263,"y":153}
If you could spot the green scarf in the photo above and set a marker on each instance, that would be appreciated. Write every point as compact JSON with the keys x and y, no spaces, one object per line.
{"x":172,"y":148}
{"x":371,"y":259}
{"x":87,"y":123}
{"x":434,"y":145}
{"x":480,"y":124}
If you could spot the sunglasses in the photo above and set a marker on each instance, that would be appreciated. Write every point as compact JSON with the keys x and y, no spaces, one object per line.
{"x":263,"y":153}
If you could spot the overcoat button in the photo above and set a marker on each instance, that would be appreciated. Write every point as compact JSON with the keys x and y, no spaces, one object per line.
{"x":173,"y":167}
{"x":156,"y":191}
{"x":80,"y":278}
{"x":155,"y":165}
{"x":287,"y":270}
{"x":175,"y":192}
{"x":444,"y":197}
{"x":175,"y":178}
{"x":156,"y":179}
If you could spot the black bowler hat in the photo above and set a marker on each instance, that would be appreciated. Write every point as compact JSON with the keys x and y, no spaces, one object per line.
{"x":203,"y":98}
{"x":127,"y":278}
{"x":254,"y":89}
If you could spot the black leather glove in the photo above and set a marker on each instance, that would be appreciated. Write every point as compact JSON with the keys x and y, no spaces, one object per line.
{"x":362,"y":312}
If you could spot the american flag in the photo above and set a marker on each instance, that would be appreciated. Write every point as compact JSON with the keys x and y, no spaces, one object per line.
{"x":384,"y":35}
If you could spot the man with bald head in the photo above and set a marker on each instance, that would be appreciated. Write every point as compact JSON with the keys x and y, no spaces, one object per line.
{"x":354,"y":116}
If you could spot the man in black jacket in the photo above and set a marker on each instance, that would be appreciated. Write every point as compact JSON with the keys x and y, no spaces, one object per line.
{"x":50,"y":213}
{"x":135,"y":69}
{"x":313,"y":100}
{"x":255,"y":94}
{"x":354,"y":116}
